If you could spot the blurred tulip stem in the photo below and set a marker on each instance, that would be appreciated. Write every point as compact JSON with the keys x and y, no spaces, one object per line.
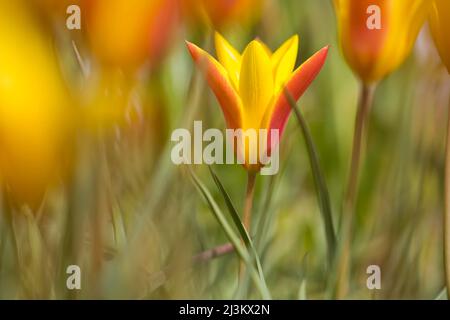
{"x":362,"y":116}
{"x":213,"y":253}
{"x":447,"y":209}
{"x":247,"y":215}
{"x":346,"y":224}
{"x":248,"y":202}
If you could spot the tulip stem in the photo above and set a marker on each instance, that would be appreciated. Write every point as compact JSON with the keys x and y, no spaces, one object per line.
{"x":247,"y":215}
{"x":447,"y":209}
{"x":215,"y":252}
{"x":362,"y":115}
{"x":248,"y":202}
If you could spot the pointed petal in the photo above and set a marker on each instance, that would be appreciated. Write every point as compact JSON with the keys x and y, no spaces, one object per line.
{"x":298,"y":83}
{"x":268,"y":51}
{"x":283,"y":61}
{"x":283,"y":49}
{"x":255,"y":84}
{"x":218,"y":81}
{"x":229,"y":57}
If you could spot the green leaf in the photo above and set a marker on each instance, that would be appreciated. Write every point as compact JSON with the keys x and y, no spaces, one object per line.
{"x":319,"y":180}
{"x":231,"y":209}
{"x":240,"y":226}
{"x":232,"y":237}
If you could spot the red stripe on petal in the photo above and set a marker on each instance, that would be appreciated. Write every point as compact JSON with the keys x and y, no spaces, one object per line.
{"x":297,"y":85}
{"x":217,"y":79}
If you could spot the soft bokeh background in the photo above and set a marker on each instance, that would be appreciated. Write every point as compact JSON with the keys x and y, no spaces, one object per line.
{"x":133,"y":221}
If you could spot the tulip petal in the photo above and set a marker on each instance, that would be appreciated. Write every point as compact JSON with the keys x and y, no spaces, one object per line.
{"x":229,"y":57}
{"x":283,"y":61}
{"x":268,"y":51}
{"x":218,"y":80}
{"x":298,"y":83}
{"x":255,"y":84}
{"x":439,"y":19}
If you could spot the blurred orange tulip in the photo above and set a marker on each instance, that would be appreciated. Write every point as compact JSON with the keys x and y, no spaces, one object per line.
{"x":34,"y":106}
{"x":55,"y":6}
{"x":373,"y":53}
{"x":219,"y":13}
{"x":440,"y":23}
{"x":127,"y":33}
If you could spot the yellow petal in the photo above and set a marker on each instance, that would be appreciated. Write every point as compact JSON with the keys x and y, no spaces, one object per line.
{"x":283,"y":61}
{"x":255,"y":84}
{"x":337,"y":4}
{"x":229,"y":57}
{"x":407,"y":18}
{"x":440,"y":23}
{"x":268,"y":51}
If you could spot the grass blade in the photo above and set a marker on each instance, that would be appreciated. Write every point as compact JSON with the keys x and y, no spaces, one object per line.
{"x":319,"y":180}
{"x":231,"y":208}
{"x":232,"y":237}
{"x":240,"y":226}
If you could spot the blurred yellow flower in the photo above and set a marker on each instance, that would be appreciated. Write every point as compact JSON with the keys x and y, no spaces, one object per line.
{"x":127,"y":33}
{"x":373,"y":53}
{"x":249,"y":87}
{"x":440,"y":25}
{"x":34,"y":106}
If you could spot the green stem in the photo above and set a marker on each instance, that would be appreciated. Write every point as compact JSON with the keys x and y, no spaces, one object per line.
{"x":346,"y":230}
{"x":248,"y":202}
{"x":362,"y":115}
{"x":247,"y":214}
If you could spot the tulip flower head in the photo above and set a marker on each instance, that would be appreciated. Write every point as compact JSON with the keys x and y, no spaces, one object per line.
{"x":440,"y":23}
{"x":34,"y":107}
{"x":373,"y":53}
{"x":126,"y":33}
{"x":249,"y":86}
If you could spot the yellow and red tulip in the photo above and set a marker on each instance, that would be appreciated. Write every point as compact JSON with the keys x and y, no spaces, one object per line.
{"x":440,"y":24}
{"x":34,"y":107}
{"x":249,"y":87}
{"x":374,"y":53}
{"x":127,"y":33}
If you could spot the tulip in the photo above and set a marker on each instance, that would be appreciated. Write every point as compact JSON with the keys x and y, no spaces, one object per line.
{"x":373,"y":50}
{"x":439,"y":22}
{"x":127,"y":33}
{"x":249,"y":88}
{"x":124,"y":35}
{"x":373,"y":53}
{"x":220,"y":13}
{"x":34,"y":107}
